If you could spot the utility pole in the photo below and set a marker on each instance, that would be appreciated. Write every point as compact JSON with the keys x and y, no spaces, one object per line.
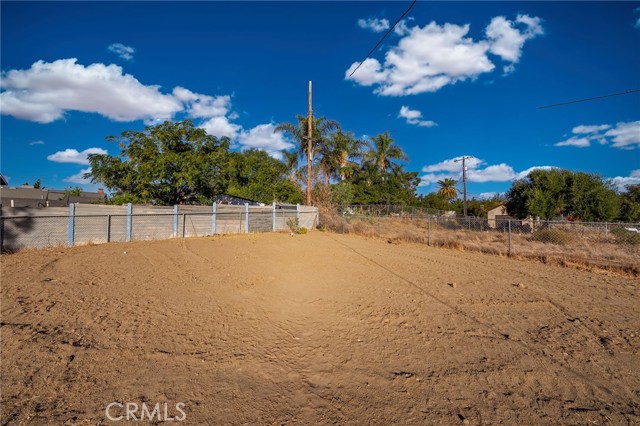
{"x":309,"y":148}
{"x":464,"y":180}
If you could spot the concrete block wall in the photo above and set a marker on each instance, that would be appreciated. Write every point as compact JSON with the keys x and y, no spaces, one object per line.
{"x":93,"y":223}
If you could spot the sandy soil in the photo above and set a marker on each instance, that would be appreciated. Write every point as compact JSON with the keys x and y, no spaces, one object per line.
{"x":312,"y":330}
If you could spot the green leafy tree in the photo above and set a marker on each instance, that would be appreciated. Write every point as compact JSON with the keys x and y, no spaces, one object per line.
{"x":447,"y":188}
{"x":73,"y":191}
{"x":258,"y":176}
{"x":551,"y":193}
{"x":543,"y":193}
{"x":630,"y":204}
{"x":171,"y":163}
{"x":591,"y":199}
{"x":433,"y":200}
{"x":372,"y":186}
{"x":38,"y":184}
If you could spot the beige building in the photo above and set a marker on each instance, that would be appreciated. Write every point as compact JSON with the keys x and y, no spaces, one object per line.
{"x":499,"y":215}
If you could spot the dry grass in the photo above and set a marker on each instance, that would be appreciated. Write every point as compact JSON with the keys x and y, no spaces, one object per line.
{"x":578,"y":250}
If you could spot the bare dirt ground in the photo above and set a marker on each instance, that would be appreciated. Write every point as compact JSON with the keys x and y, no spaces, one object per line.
{"x":313,"y":330}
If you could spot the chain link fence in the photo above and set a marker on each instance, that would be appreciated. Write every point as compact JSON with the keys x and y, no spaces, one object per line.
{"x":604,"y":245}
{"x":152,"y":223}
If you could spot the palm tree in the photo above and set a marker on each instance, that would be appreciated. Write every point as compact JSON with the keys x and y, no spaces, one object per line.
{"x":339,"y":154}
{"x":383,"y":151}
{"x":447,"y":188}
{"x":322,"y":128}
{"x":349,"y":150}
{"x":291,"y":160}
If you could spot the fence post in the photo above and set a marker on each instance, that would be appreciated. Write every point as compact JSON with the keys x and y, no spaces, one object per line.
{"x":378,"y":224}
{"x":175,"y":221}
{"x":469,"y":223}
{"x":129,"y":221}
{"x":246,"y":218}
{"x":429,"y":232}
{"x":184,"y":224}
{"x":213,"y":218}
{"x":72,"y":224}
{"x":274,"y":216}
{"x":509,"y":237}
{"x":108,"y":228}
{"x":298,"y":211}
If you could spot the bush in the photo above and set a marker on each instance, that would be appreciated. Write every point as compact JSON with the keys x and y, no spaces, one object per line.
{"x":626,"y":236}
{"x":301,"y":230}
{"x":293,"y":224}
{"x":552,"y":236}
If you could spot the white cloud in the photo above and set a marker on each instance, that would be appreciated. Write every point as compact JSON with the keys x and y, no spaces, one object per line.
{"x":79,"y":177}
{"x":430,"y":178}
{"x":523,"y":174}
{"x":124,"y":52}
{"x":477,"y":171}
{"x":452,"y":166}
{"x":369,"y":73}
{"x":264,"y":137}
{"x":38,"y":142}
{"x":46,"y":91}
{"x":496,"y":173}
{"x":508,"y":37}
{"x":402,"y":28}
{"x":74,"y":156}
{"x":220,"y":127}
{"x":621,"y":182}
{"x":202,"y":106}
{"x":431,"y":57}
{"x":374,"y":24}
{"x":575,"y":141}
{"x":589,"y":129}
{"x":487,"y":195}
{"x":622,"y":135}
{"x":415,"y":117}
{"x":625,"y":135}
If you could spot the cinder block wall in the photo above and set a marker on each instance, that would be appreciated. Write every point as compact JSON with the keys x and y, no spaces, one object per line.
{"x":94,"y":223}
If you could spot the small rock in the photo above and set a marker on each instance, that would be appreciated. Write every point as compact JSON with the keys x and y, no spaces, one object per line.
{"x":453,"y":285}
{"x":124,"y":252}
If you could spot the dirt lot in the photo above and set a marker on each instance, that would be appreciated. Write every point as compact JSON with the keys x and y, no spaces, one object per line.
{"x":312,"y":330}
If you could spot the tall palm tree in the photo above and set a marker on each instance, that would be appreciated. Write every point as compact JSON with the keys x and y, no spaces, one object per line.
{"x":383,"y":151}
{"x":290,"y":158}
{"x":322,"y":128}
{"x":339,"y":155}
{"x":447,"y":188}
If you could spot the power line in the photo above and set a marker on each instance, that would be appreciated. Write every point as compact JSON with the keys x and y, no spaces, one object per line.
{"x":626,"y":92}
{"x":383,"y":37}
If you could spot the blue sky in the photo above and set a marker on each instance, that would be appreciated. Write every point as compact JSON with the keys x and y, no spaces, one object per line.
{"x":455,"y":78}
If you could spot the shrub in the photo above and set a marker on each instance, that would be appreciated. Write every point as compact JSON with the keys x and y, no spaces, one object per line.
{"x":293,"y":224}
{"x":552,"y":236}
{"x":301,"y":230}
{"x":626,"y":236}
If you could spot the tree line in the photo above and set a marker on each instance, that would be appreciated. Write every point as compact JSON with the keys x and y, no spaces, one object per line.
{"x":179,"y":163}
